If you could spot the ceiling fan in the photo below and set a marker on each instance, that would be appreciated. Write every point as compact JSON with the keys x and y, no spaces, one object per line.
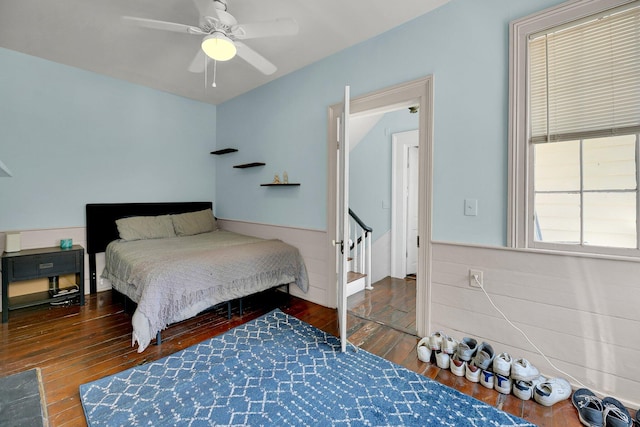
{"x":223,"y":34}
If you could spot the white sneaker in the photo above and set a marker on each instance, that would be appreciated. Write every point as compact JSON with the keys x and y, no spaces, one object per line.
{"x":423,"y":350}
{"x":467,"y":348}
{"x":521,"y":369}
{"x":487,"y":379}
{"x":502,"y":364}
{"x":524,"y":389}
{"x":484,"y":356}
{"x":449,"y":345}
{"x":435,"y":340}
{"x":552,"y":391}
{"x":473,"y":373}
{"x":442,"y":360}
{"x":457,"y":366}
{"x":502,"y":384}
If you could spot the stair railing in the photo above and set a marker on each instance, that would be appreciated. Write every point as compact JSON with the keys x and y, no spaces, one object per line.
{"x":360,"y":236}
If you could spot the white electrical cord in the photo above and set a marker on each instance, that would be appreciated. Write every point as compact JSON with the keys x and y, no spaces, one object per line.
{"x":475,"y":278}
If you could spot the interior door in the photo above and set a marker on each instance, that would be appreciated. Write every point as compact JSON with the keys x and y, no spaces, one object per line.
{"x":412,"y":210}
{"x":342,"y":239}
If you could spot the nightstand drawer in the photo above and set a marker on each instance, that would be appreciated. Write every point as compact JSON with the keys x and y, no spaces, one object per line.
{"x":43,"y":265}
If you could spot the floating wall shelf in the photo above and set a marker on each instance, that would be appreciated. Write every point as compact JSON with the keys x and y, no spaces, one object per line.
{"x":290,"y":184}
{"x":224,"y":151}
{"x":249,"y":165}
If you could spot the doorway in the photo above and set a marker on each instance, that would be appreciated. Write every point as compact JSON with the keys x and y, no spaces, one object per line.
{"x":383,"y":193}
{"x":404,"y":218}
{"x":420,"y":93}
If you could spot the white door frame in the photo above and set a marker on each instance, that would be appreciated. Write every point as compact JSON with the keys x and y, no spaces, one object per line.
{"x":419,"y":92}
{"x":400,"y":142}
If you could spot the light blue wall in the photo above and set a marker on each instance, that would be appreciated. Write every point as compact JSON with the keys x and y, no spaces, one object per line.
{"x":370,"y":171}
{"x":72,"y":137}
{"x":464,"y":44}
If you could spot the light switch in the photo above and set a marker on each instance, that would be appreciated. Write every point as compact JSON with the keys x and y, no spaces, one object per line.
{"x":470,"y":207}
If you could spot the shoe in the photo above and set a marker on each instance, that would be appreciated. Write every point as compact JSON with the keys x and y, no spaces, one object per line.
{"x":484,"y":356}
{"x":524,"y":389}
{"x":467,"y":348}
{"x":435,"y":340}
{"x":521,"y":369}
{"x":552,"y":391}
{"x":502,"y":364}
{"x":589,"y":406}
{"x":615,"y":414}
{"x":638,"y":417}
{"x":502,"y":384}
{"x":424,"y":352}
{"x":457,"y":366}
{"x":442,"y":360}
{"x":473,"y":373}
{"x":449,"y":345}
{"x":487,"y":379}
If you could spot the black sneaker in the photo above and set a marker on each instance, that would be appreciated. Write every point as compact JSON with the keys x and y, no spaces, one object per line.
{"x":589,"y":407}
{"x":615,"y":414}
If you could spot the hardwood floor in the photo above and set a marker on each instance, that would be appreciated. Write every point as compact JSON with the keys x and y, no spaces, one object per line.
{"x":392,"y":302}
{"x":74,"y":345}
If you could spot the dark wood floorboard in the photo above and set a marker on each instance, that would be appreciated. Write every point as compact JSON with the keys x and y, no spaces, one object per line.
{"x":74,"y":345}
{"x":392,"y":302}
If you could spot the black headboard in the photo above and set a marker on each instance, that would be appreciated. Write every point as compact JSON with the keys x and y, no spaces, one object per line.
{"x":101,"y":223}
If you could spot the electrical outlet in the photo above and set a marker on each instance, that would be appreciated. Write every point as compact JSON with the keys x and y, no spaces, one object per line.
{"x":473,"y":276}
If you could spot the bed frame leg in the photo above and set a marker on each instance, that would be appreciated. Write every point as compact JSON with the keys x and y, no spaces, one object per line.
{"x":158,"y":338}
{"x":228,"y":309}
{"x":241,"y":310}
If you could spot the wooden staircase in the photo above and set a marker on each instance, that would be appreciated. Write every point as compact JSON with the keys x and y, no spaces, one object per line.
{"x":359,"y":247}
{"x":356,"y":282}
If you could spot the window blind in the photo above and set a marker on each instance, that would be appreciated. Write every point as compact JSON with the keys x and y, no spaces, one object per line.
{"x":584,"y":80}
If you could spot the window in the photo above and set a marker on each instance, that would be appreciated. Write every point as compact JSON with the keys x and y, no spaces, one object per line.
{"x":575,"y":128}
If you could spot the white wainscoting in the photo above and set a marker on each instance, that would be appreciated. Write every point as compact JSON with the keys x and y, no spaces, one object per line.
{"x":582,"y":312}
{"x":381,"y":257}
{"x":312,"y":244}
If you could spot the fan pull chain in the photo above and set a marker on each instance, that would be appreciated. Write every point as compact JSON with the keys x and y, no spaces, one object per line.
{"x":215,"y":67}
{"x":205,"y":71}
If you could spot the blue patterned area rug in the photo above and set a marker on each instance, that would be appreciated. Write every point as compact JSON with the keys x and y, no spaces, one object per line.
{"x":279,"y":371}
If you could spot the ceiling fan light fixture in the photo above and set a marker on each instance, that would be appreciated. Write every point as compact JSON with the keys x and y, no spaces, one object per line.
{"x":219,"y":47}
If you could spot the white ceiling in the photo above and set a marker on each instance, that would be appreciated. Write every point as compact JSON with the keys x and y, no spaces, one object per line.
{"x":90,"y":34}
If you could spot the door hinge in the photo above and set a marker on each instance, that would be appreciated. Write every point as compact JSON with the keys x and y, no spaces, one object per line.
{"x":418,"y":241}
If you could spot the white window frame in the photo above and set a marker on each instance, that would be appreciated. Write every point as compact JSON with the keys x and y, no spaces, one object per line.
{"x":520,"y":173}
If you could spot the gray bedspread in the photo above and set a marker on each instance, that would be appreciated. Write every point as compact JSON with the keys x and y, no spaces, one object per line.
{"x":173,"y":279}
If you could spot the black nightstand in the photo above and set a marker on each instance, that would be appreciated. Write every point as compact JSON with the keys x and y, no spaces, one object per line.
{"x":37,"y":263}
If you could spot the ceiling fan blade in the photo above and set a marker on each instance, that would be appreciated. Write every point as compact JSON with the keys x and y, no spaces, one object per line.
{"x":198,"y":63}
{"x":255,"y":59}
{"x":162,"y":25}
{"x":279,"y":27}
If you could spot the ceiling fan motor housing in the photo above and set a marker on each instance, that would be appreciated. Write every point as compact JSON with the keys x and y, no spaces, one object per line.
{"x":220,"y":4}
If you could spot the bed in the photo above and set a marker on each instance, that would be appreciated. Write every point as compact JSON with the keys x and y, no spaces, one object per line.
{"x":172,"y":261}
